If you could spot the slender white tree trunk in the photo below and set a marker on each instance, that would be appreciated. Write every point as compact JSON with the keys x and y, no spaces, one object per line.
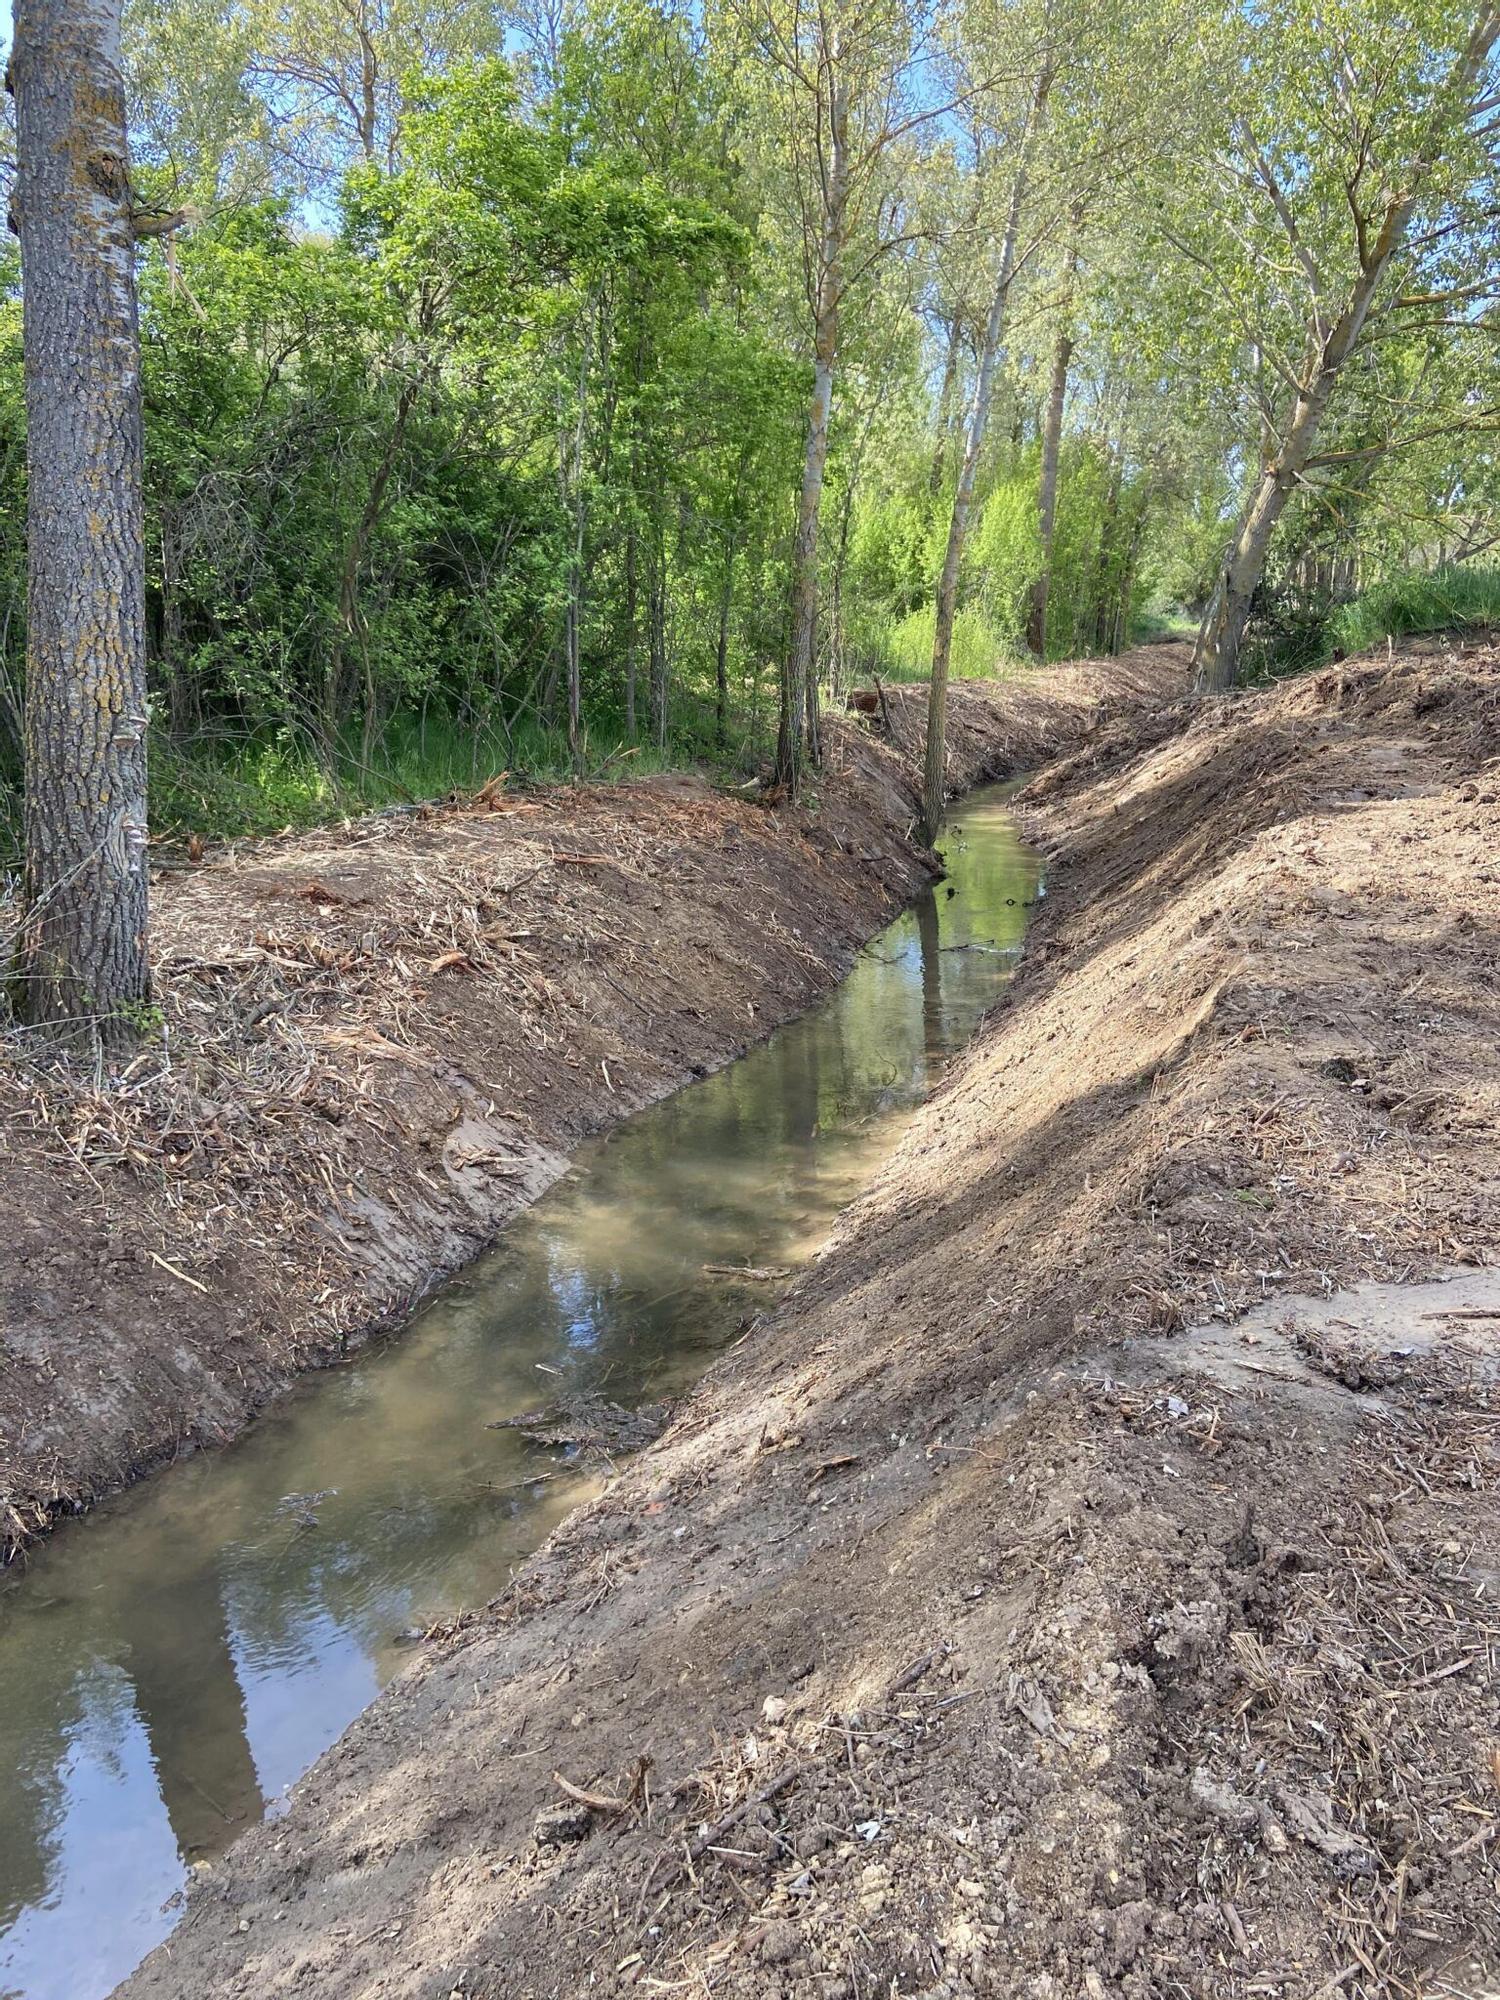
{"x":797,"y":739}
{"x":936,"y":757}
{"x":1057,"y":396}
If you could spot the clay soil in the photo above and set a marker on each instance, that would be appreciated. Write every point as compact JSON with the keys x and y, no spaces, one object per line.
{"x":1084,"y":1584}
{"x":382,"y":1040}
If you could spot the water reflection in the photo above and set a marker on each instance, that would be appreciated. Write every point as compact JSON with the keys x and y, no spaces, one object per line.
{"x":172,"y":1664}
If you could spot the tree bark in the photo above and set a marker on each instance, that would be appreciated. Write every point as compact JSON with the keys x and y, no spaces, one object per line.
{"x":368,"y":73}
{"x":630,"y":625}
{"x":576,"y":568}
{"x":799,"y":730}
{"x":83,"y":957}
{"x":1057,"y":396}
{"x":656,"y":612}
{"x":936,"y":758}
{"x":800,"y":666}
{"x":1222,"y":632}
{"x":721,"y":656}
{"x":945,"y":404}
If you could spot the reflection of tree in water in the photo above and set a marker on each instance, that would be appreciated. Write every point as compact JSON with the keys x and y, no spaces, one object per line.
{"x":28,"y":1815}
{"x":188,"y":1696}
{"x":162,"y":1650}
{"x":929,"y":936}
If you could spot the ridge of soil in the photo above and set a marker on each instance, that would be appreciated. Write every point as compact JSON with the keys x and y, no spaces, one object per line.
{"x":382,"y":1041}
{"x":1070,"y":1591}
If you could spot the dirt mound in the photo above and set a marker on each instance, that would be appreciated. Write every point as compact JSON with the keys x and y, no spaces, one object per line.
{"x":380,"y":1041}
{"x":1069,"y":1590}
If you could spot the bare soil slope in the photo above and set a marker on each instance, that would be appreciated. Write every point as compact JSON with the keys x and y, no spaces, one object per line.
{"x":1070,"y":1591}
{"x":381,"y":1041}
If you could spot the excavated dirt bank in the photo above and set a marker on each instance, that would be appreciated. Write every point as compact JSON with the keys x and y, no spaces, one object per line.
{"x":1070,"y":1591}
{"x":381,"y":1042}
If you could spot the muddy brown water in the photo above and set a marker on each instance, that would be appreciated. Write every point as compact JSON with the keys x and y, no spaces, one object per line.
{"x":171,"y":1664}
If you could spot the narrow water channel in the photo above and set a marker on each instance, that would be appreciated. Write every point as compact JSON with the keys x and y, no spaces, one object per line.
{"x":172,"y":1663}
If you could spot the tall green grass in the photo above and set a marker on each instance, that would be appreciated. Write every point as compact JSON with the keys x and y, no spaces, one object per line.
{"x":979,"y":649}
{"x":1299,"y":639}
{"x":263,"y":786}
{"x":1443,"y":600}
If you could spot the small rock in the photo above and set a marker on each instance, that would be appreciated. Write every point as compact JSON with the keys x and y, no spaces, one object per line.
{"x":779,"y":1942}
{"x":773,"y":1708}
{"x":1239,"y":1814}
{"x":556,"y":1826}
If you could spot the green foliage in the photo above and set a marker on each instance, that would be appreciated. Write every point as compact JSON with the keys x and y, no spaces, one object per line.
{"x":1296,"y":635}
{"x":1004,"y":554}
{"x":1444,"y":600}
{"x":523,"y":389}
{"x":499,"y":370}
{"x":979,"y":649}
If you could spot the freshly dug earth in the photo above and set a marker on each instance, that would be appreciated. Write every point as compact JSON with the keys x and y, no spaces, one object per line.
{"x":381,"y":1042}
{"x":1069,"y":1591}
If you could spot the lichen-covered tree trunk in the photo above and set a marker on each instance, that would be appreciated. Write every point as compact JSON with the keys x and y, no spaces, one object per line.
{"x":82,"y":957}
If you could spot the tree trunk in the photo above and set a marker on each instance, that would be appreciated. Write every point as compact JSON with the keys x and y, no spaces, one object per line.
{"x":368,"y":73}
{"x":721,"y":657}
{"x":1126,"y":593}
{"x":799,"y":673}
{"x":836,"y":676}
{"x":576,"y":570}
{"x":657,"y":617}
{"x":351,"y":617}
{"x":1103,"y":598}
{"x":958,"y":523}
{"x":1057,"y":395}
{"x":799,"y":669}
{"x":575,"y":652}
{"x":1223,"y":629}
{"x":630,"y":626}
{"x":83,"y":938}
{"x":945,"y":404}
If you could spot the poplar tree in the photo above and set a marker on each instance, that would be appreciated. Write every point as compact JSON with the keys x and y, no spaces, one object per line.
{"x":82,"y":959}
